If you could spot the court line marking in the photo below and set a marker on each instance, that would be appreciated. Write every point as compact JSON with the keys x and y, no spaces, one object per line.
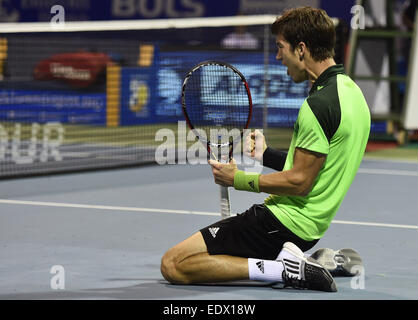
{"x":367,"y":158}
{"x":389,"y":172}
{"x":103,"y":207}
{"x":135,"y":209}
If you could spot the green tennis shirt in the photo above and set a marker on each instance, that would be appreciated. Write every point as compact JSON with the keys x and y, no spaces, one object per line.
{"x":333,"y":120}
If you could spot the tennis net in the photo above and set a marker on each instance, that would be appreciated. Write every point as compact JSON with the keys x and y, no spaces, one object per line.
{"x":91,"y":95}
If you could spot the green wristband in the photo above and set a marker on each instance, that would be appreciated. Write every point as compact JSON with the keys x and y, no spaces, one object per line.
{"x":247,"y":181}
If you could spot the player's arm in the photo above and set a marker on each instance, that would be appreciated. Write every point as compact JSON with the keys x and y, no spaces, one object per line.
{"x":297,"y":181}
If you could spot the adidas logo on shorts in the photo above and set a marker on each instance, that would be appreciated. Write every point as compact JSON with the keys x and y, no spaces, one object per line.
{"x":260,"y":265}
{"x":214,"y":231}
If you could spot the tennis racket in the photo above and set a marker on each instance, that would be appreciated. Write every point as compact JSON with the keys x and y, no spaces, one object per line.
{"x":217,"y":106}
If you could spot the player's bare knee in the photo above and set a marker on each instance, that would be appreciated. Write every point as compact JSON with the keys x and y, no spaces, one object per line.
{"x":166,"y":266}
{"x":170,"y":269}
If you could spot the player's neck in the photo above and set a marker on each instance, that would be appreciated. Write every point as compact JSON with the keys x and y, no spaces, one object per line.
{"x":315,"y":69}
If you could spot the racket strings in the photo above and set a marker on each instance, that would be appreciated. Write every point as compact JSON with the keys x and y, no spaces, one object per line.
{"x":217,"y":104}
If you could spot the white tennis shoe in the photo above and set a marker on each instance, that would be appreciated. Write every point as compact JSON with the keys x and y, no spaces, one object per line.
{"x":303,"y":273}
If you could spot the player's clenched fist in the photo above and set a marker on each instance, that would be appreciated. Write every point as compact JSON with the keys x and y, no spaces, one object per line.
{"x":255,"y":145}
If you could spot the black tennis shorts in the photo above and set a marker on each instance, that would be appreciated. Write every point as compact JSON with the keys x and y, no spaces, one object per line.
{"x":256,"y":233}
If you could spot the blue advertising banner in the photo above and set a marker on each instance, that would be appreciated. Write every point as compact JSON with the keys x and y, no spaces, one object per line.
{"x":49,"y":106}
{"x":152,"y":94}
{"x":89,"y":10}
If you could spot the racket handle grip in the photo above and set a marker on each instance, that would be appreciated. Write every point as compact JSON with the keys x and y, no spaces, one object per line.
{"x":225,"y":204}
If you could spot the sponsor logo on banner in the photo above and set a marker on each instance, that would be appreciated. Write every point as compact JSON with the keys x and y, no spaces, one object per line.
{"x":139,"y":97}
{"x":138,"y":89}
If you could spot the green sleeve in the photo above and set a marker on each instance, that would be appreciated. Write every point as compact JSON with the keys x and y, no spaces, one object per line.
{"x":309,"y":133}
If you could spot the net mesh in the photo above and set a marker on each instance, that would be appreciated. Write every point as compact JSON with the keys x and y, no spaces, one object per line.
{"x":94,"y":95}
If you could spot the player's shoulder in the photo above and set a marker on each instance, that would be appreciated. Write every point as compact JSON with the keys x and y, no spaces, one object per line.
{"x":325,"y":106}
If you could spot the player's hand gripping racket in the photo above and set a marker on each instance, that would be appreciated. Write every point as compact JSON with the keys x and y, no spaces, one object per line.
{"x":217,"y":106}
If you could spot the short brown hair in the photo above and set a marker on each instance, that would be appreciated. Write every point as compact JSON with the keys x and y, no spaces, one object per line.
{"x":309,"y":25}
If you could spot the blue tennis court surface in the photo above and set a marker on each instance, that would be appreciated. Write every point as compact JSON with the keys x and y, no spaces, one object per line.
{"x":101,"y":235}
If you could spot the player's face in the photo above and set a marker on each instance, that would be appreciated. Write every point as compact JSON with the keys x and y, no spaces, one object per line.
{"x":290,"y":59}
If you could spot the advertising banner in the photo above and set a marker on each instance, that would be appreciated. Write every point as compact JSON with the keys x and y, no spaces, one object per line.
{"x":50,"y":106}
{"x":93,"y":10}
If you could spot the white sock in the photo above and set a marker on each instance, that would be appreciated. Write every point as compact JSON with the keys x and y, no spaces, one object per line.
{"x":265,"y":270}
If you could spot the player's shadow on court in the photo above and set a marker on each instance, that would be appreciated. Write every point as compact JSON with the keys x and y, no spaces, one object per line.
{"x":151,"y":289}
{"x":161,"y":289}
